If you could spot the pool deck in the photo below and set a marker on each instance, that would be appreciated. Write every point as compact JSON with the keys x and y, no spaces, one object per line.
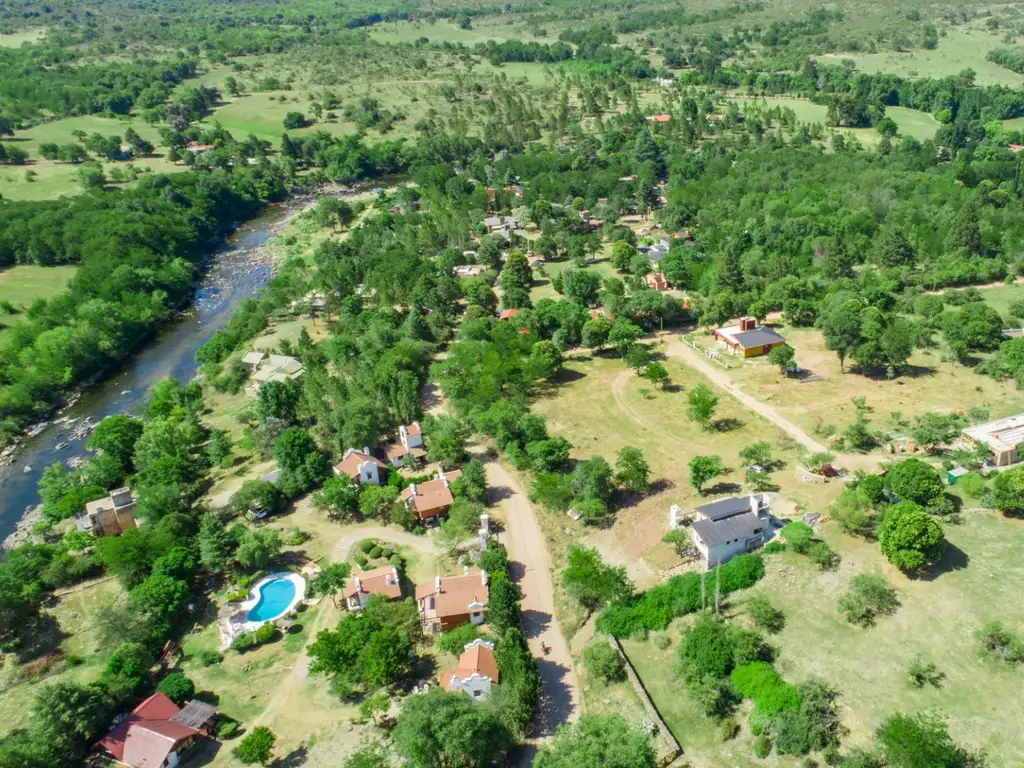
{"x":239,"y":623}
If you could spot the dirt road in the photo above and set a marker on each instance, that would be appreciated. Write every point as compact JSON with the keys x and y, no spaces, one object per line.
{"x":530,"y":568}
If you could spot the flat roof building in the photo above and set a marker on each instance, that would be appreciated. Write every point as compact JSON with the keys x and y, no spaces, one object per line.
{"x":1001,"y":436}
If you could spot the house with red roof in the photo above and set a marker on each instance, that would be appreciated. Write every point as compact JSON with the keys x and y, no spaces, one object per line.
{"x":507,"y":314}
{"x":477,"y":671}
{"x":361,"y":466}
{"x":157,"y":733}
{"x":360,"y":587}
{"x":431,"y":498}
{"x":452,"y":600}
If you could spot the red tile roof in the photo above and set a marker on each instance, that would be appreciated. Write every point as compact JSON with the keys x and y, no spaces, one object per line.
{"x":350,"y":464}
{"x":375,"y":582}
{"x":457,"y":592}
{"x":147,"y":735}
{"x":655,"y":280}
{"x":432,"y":497}
{"x":478,"y":658}
{"x":507,"y":313}
{"x":661,"y":118}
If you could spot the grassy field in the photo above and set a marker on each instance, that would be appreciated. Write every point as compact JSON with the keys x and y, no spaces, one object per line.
{"x":19,"y":38}
{"x":53,"y":179}
{"x":961,"y":48}
{"x":911,"y":122}
{"x":1000,"y":297}
{"x":938,"y":618}
{"x":930,"y":385}
{"x":72,"y":614}
{"x":442,"y":31}
{"x":24,"y":284}
{"x":603,"y":406}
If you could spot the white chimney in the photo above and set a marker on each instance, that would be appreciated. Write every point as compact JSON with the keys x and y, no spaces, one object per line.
{"x":753,"y":504}
{"x":394,"y":572}
{"x":485,"y":524}
{"x":465,"y":570}
{"x":366,"y":450}
{"x":359,"y":584}
{"x":674,"y":515}
{"x":412,"y":488}
{"x":437,"y":584}
{"x":483,"y":578}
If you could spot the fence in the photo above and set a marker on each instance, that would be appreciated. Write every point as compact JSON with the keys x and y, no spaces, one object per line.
{"x":652,"y":711}
{"x":710,"y":354}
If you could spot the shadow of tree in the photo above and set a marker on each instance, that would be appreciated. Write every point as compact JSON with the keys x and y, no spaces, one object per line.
{"x":953,"y":559}
{"x":293,"y":759}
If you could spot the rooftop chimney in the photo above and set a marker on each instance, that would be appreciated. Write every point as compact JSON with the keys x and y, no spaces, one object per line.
{"x":359,"y":584}
{"x":754,"y":504}
{"x":412,"y":488}
{"x":465,"y":570}
{"x":394,"y":572}
{"x":366,"y":450}
{"x":746,"y":323}
{"x":483,"y":578}
{"x":437,"y":584}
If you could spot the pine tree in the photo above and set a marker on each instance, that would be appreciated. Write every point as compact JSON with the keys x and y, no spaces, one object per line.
{"x":964,"y":231}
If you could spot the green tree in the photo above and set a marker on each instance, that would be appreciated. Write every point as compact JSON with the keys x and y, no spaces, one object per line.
{"x":632,"y":469}
{"x":439,"y":729}
{"x":338,"y":498}
{"x":893,"y":249}
{"x":964,"y":232}
{"x":590,"y":581}
{"x":841,"y":329}
{"x":68,"y":717}
{"x":256,"y":549}
{"x":445,"y":437}
{"x":329,"y":580}
{"x":1008,"y":490}
{"x":758,"y":453}
{"x":502,"y":602}
{"x":116,"y":436}
{"x":764,"y":614}
{"x":622,"y":255}
{"x":657,"y":374}
{"x":977,"y":326}
{"x":637,"y":357}
{"x":595,"y":332}
{"x":602,"y":662}
{"x":914,"y":480}
{"x":623,"y":335}
{"x":256,"y":747}
{"x":909,"y":537}
{"x":215,"y":546}
{"x":595,"y":740}
{"x":921,"y":741}
{"x":704,"y":469}
{"x":177,"y":687}
{"x":593,"y":479}
{"x":783,"y":356}
{"x":702,"y":404}
{"x":278,"y":400}
{"x":869,"y":595}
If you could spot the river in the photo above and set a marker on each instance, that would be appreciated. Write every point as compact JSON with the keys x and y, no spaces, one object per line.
{"x":230,"y":277}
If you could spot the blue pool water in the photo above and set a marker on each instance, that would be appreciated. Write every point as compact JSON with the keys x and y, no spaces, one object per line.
{"x":275,"y":597}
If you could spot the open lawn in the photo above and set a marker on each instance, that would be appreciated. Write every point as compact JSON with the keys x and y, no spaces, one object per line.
{"x":1001,"y":296}
{"x":601,"y":406}
{"x":53,"y":179}
{"x":938,"y":619}
{"x":911,"y":122}
{"x":24,"y":284}
{"x":961,"y":48}
{"x":19,"y":38}
{"x":930,"y":385}
{"x":444,"y":31}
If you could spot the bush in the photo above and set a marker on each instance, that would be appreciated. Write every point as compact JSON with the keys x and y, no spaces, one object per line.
{"x":661,"y":640}
{"x":774,"y":547}
{"x":762,"y":746}
{"x":798,"y":535}
{"x":972,"y":484}
{"x":454,"y":641}
{"x":760,"y":682}
{"x":387,"y":552}
{"x":177,"y":688}
{"x":869,"y":595}
{"x":360,"y":561}
{"x":397,"y":562}
{"x":375,"y":553}
{"x":765,"y":614}
{"x":823,"y":556}
{"x":367,"y":545}
{"x":728,"y":729}
{"x":227,"y":729}
{"x":244,"y":642}
{"x":1003,"y":643}
{"x":265,"y":633}
{"x":602,"y":662}
{"x":680,"y":595}
{"x":209,"y":658}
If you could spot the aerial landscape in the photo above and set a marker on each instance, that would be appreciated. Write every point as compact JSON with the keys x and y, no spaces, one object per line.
{"x":551,"y":383}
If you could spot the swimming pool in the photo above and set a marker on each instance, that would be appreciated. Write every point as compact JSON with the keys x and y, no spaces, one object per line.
{"x":276,"y":596}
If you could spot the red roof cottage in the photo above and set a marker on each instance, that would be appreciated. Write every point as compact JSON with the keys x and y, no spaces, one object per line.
{"x":157,"y":732}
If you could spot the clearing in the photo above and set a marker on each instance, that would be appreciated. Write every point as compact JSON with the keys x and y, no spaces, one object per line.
{"x":21,"y":285}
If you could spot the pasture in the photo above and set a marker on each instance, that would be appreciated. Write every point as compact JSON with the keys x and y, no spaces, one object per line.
{"x":930,"y":385}
{"x":938,"y":618}
{"x":962,"y":48}
{"x":23,"y":284}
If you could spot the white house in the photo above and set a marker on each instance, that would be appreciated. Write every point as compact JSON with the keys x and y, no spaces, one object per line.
{"x":730,"y":526}
{"x":360,"y":466}
{"x":477,"y":672}
{"x":452,"y":600}
{"x":410,"y":441}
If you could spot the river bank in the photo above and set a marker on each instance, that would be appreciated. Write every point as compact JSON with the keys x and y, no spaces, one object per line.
{"x":237,"y":269}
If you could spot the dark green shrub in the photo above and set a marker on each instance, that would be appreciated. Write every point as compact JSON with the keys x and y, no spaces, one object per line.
{"x":494,"y":559}
{"x":366,"y":545}
{"x":244,"y":642}
{"x":227,"y":729}
{"x":798,"y":535}
{"x":360,"y":561}
{"x":602,"y":662}
{"x":765,"y":614}
{"x":823,"y":556}
{"x":397,"y":562}
{"x":762,"y":746}
{"x":454,"y":641}
{"x":74,"y":660}
{"x":387,"y":552}
{"x":374,"y":553}
{"x":265,"y":633}
{"x":774,"y":547}
{"x":177,"y":688}
{"x":209,"y":658}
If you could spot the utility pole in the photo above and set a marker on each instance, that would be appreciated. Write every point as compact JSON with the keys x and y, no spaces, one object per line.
{"x":718,"y":590}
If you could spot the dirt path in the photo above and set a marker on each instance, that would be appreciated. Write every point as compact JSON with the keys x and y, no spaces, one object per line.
{"x":530,"y":567}
{"x":405,"y":539}
{"x":617,"y":386}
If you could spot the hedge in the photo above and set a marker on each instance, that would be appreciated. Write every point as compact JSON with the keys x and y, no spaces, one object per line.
{"x":770,"y":693}
{"x":680,"y":595}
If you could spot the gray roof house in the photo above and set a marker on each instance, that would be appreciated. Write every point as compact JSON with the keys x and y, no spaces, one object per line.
{"x":730,"y":526}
